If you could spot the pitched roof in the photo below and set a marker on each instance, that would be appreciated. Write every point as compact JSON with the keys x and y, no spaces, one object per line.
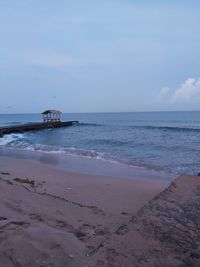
{"x":50,"y":111}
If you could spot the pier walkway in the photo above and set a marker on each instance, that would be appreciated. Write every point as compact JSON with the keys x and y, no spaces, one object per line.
{"x":35,"y":127}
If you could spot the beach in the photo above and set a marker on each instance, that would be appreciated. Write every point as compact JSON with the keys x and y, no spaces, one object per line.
{"x":51,"y":217}
{"x":99,"y":133}
{"x":121,"y":196}
{"x":115,"y":190}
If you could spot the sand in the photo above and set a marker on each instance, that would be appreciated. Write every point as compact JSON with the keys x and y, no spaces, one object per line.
{"x":56,"y":218}
{"x":165,"y":232}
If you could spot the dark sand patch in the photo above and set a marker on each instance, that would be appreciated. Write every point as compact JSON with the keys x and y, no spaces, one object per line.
{"x":24,"y":181}
{"x":4,"y":173}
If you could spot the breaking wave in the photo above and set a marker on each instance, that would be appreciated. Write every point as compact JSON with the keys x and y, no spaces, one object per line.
{"x":18,"y":141}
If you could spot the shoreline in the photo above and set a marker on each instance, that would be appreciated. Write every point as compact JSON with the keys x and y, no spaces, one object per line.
{"x":120,"y":189}
{"x":87,"y":165}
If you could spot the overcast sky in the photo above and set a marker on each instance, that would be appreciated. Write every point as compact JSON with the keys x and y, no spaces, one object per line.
{"x":99,"y":55}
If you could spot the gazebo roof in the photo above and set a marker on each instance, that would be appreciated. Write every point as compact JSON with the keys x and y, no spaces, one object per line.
{"x":51,"y":111}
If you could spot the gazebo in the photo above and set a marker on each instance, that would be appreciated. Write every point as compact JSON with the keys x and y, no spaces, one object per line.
{"x":51,"y":115}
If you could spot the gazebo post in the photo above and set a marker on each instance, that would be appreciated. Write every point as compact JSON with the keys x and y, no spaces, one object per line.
{"x":51,"y":115}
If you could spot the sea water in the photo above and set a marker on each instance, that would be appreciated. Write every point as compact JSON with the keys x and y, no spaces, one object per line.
{"x":163,"y":141}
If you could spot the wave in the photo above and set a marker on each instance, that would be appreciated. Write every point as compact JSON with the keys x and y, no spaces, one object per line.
{"x":167,"y":128}
{"x":111,"y":142}
{"x":8,"y":139}
{"x":89,"y":124}
{"x":65,"y":151}
{"x":150,"y":127}
{"x":18,"y":141}
{"x":119,"y":148}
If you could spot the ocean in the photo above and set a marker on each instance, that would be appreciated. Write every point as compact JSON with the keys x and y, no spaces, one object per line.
{"x":161,"y":141}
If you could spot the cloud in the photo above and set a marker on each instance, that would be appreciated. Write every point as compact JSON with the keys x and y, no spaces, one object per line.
{"x":188,"y":92}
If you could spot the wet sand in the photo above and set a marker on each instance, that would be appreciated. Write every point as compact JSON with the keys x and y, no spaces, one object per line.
{"x":51,"y":217}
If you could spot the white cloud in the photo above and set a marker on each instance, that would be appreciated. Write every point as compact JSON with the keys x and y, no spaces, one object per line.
{"x":189,"y":91}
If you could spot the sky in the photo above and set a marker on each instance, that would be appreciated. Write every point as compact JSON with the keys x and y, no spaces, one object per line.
{"x":99,"y":55}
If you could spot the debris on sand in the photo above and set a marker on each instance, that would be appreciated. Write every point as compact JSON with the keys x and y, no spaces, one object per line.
{"x":24,"y":181}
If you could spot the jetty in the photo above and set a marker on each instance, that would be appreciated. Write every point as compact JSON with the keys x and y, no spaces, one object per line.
{"x":51,"y":119}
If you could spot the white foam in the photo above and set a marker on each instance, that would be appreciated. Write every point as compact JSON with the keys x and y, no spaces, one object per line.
{"x":44,"y":149}
{"x":7,"y":139}
{"x":16,"y":140}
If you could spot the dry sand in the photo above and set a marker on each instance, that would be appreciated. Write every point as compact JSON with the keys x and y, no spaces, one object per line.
{"x":54,"y":218}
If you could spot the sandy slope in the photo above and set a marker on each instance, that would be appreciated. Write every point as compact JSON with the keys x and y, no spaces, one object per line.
{"x":165,"y":232}
{"x":54,"y":218}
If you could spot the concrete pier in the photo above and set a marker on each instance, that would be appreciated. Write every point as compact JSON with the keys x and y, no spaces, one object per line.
{"x":35,"y":127}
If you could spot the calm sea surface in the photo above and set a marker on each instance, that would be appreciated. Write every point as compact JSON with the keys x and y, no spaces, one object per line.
{"x":165,"y":141}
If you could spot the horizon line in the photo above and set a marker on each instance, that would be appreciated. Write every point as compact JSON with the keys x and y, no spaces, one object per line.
{"x":104,"y":112}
